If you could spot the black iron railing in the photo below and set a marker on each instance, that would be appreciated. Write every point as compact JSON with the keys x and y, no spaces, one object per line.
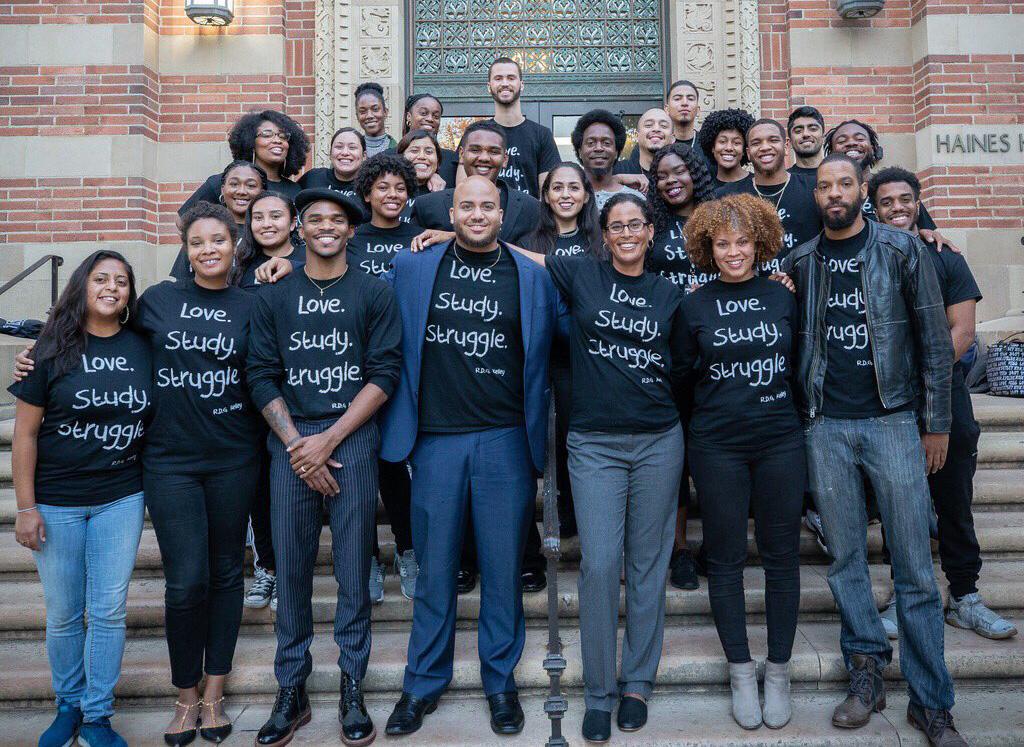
{"x":55,"y":262}
{"x":556,"y":704}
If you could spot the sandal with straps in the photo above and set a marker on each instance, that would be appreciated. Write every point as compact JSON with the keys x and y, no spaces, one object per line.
{"x":219,"y":733}
{"x":183,"y":736}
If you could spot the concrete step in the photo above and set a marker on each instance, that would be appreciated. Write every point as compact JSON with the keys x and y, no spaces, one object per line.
{"x":23,"y":612}
{"x":996,"y":413}
{"x":989,"y":717}
{"x":999,"y":533}
{"x":692,"y":657}
{"x":1001,"y":450}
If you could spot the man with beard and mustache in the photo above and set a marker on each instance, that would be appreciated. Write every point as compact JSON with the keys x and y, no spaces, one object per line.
{"x":470,"y":414}
{"x":598,"y":138}
{"x":896,"y":193}
{"x":790,"y":194}
{"x":325,"y":342}
{"x":531,"y":147}
{"x":682,"y":103}
{"x":875,"y":355}
{"x":806,"y":128}
{"x":482,"y":152}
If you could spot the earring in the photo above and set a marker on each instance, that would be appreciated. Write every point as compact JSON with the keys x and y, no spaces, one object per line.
{"x":127,"y":314}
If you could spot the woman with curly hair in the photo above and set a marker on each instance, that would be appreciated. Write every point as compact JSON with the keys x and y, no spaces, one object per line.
{"x":269,"y":139}
{"x":723,"y":138}
{"x":746,"y":449}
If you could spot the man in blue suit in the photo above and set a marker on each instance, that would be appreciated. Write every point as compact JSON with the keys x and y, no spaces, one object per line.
{"x":470,"y":414}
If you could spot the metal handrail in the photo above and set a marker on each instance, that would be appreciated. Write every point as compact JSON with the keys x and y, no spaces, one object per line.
{"x":556,"y":703}
{"x":55,"y":261}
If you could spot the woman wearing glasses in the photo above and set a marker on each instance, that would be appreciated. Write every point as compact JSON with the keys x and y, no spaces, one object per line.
{"x":625,"y":455}
{"x":269,"y":139}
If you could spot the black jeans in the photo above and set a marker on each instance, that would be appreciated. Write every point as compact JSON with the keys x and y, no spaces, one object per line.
{"x":770,"y":481}
{"x":396,"y":493}
{"x":259,"y":517}
{"x":200,"y":522}
{"x":952,"y":489}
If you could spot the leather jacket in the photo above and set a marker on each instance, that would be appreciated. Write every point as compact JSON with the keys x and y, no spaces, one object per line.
{"x":910,"y":340}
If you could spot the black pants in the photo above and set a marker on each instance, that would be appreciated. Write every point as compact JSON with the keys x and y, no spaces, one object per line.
{"x":200,"y":522}
{"x":952,"y":489}
{"x":396,"y":493}
{"x":770,"y":481}
{"x":259,"y":517}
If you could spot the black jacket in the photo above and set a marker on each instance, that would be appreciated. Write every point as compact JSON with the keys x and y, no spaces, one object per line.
{"x":910,"y":341}
{"x":522,"y":214}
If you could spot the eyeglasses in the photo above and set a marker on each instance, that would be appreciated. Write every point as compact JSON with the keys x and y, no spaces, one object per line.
{"x":271,"y":134}
{"x":634,"y":226}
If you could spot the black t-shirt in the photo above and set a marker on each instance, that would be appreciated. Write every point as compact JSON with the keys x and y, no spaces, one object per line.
{"x":248,"y":280}
{"x":669,"y":259}
{"x":794,"y":201}
{"x":95,"y":416}
{"x":572,"y":244}
{"x":318,"y":350}
{"x":371,"y":249}
{"x":630,"y":164}
{"x":805,"y":171}
{"x":531,"y":152}
{"x":203,"y":419}
{"x":325,"y":178}
{"x":472,"y":373}
{"x":625,"y":341}
{"x":209,"y":191}
{"x":742,"y":338}
{"x":957,"y":283}
{"x":851,"y":389}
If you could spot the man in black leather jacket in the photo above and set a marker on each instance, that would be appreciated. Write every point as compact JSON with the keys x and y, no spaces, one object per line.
{"x":875,"y":359}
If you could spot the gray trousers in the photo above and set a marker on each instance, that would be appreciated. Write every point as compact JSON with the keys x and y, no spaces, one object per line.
{"x":626,"y":489}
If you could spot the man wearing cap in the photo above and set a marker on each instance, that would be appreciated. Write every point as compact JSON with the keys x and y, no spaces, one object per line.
{"x":324,"y":355}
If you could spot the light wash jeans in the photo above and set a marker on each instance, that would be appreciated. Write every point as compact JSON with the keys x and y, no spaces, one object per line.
{"x":888,"y":451}
{"x":85,"y":565}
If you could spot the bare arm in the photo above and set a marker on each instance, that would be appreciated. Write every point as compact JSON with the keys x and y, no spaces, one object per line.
{"x":961,"y":317}
{"x":29,"y":528}
{"x":280,"y":421}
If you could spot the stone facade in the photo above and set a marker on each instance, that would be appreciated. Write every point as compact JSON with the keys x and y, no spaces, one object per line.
{"x":113,"y":112}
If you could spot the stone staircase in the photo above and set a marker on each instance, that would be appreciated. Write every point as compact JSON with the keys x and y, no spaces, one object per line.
{"x":691,"y":705}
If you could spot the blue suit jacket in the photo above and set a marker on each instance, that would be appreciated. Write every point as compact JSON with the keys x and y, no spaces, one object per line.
{"x":541,"y":312}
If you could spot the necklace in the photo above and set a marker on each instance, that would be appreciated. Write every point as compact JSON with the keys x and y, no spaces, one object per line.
{"x":496,"y":260}
{"x":324,"y":288}
{"x":776,"y":199}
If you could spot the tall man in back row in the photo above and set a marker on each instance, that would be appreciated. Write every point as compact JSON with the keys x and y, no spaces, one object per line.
{"x":875,"y":356}
{"x":470,"y":414}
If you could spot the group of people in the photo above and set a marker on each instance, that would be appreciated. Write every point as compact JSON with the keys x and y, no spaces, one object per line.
{"x":394,"y":325}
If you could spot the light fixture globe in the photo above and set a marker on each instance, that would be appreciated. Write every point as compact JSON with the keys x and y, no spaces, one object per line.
{"x":210,"y":12}
{"x":851,"y":9}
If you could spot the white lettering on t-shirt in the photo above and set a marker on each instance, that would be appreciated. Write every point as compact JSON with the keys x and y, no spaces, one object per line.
{"x":221,"y":346}
{"x":98,"y":363}
{"x":643,"y":328}
{"x":319,"y":305}
{"x":327,"y":380}
{"x":621,"y":295}
{"x":200,"y":312}
{"x":476,"y":274}
{"x":207,"y":383}
{"x":336,"y":341}
{"x":474,"y":344}
{"x":136,"y":400}
{"x":113,"y":436}
{"x":759,"y":372}
{"x":485,"y":308}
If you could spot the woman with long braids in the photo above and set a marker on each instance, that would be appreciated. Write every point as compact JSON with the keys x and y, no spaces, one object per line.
{"x":269,"y":139}
{"x":723,"y":137}
{"x":240,"y":182}
{"x":79,"y":422}
{"x":423,"y":112}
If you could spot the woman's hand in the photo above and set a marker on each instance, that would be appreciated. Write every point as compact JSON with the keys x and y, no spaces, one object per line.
{"x":429,"y":237}
{"x":30,"y":529}
{"x":310,"y":453}
{"x":23,"y":363}
{"x":273,"y":269}
{"x":786,"y":280}
{"x":435,"y":183}
{"x":639,"y":182}
{"x":940,"y":241}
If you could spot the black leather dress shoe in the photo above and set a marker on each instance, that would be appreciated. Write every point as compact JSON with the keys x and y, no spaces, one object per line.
{"x":506,"y":713}
{"x":597,"y":725}
{"x":534,"y":581}
{"x":408,"y":715}
{"x":357,"y":729}
{"x":632,"y":713}
{"x":465,"y":582}
{"x":291,"y":711}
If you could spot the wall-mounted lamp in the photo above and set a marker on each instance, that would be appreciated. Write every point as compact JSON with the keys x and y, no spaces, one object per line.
{"x":859,"y":8}
{"x":210,"y":12}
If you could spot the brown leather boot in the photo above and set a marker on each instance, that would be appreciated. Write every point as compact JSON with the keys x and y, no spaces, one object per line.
{"x":866,"y":694}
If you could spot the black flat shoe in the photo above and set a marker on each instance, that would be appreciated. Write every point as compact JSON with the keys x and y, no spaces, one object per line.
{"x":632,"y":714}
{"x":186,"y":736}
{"x":506,"y":713}
{"x":465,"y":582}
{"x":534,"y":581}
{"x":597,"y":725}
{"x":407,"y":717}
{"x":215,"y":734}
{"x":291,"y":712}
{"x":357,"y":728}
{"x":682,"y":571}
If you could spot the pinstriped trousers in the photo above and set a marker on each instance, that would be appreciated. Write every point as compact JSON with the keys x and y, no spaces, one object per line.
{"x":296,"y":514}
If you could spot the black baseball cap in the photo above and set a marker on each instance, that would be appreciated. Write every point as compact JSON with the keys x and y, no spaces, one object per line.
{"x":352,"y":209}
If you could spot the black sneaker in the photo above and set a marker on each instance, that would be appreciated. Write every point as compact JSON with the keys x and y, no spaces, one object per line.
{"x":682,"y":573}
{"x":700,"y":561}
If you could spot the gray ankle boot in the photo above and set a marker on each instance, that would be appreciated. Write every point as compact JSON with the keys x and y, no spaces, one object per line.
{"x":746,"y":705}
{"x":778,"y":709}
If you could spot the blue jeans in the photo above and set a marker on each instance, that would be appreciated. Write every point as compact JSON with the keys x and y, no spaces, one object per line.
{"x":85,"y":564}
{"x":888,"y":451}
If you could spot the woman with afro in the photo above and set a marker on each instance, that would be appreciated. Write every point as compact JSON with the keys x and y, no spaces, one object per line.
{"x":723,"y":137}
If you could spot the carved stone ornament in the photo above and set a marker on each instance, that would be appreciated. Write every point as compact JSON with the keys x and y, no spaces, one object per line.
{"x":375,"y":62}
{"x":698,"y":17}
{"x":375,"y":22}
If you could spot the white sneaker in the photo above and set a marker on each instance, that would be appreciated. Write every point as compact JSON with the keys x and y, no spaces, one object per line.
{"x":812,"y":520}
{"x":273,"y":600}
{"x":263,"y":588}
{"x":970,"y":613}
{"x":407,"y":569}
{"x":889,"y":619}
{"x":376,"y":582}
